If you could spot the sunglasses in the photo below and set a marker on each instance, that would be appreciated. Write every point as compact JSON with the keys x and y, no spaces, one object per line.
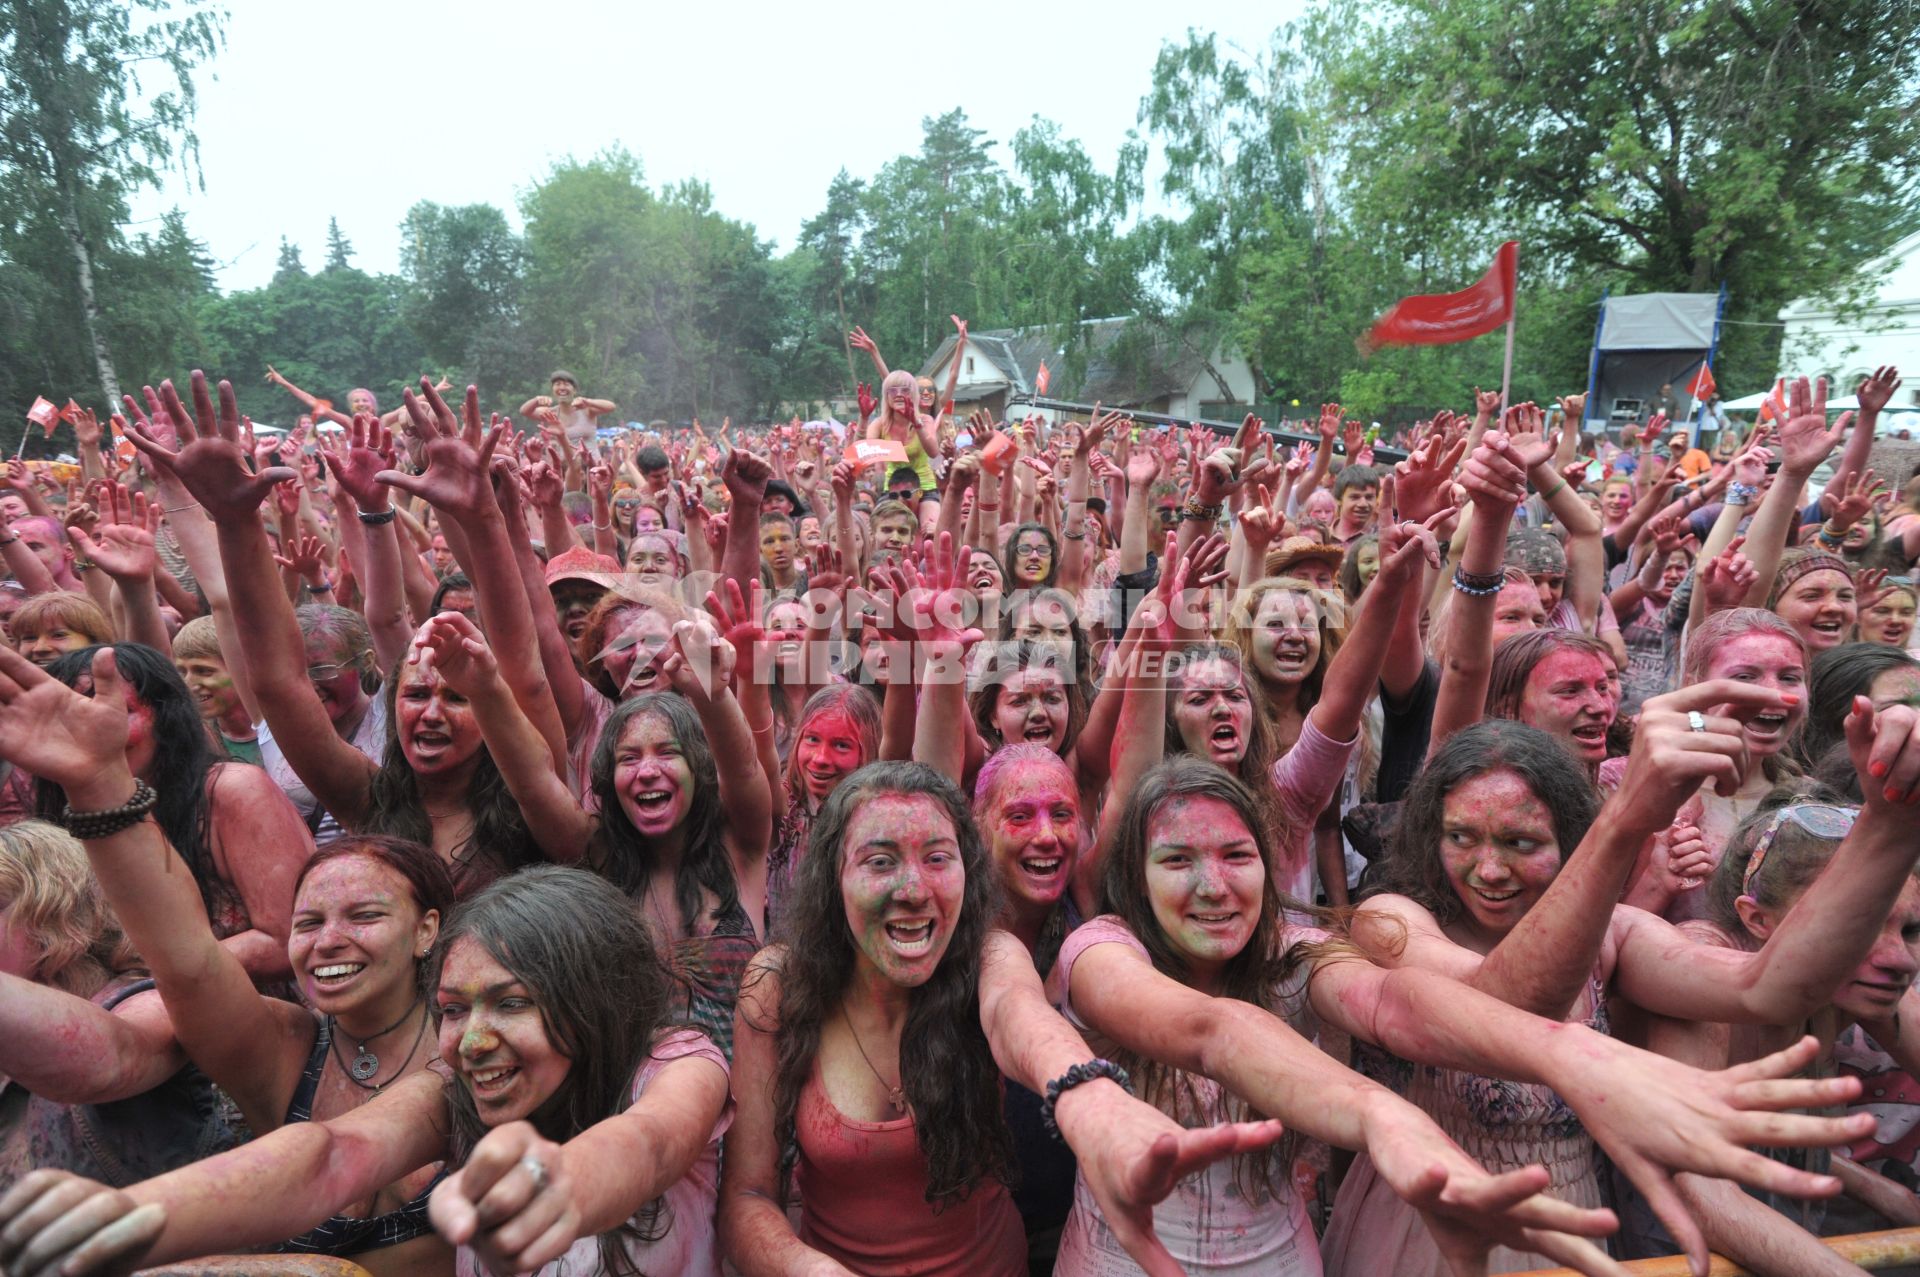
{"x":325,"y":673}
{"x":1822,"y":820}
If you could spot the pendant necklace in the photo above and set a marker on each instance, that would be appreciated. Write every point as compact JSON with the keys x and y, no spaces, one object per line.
{"x":365,"y":1063}
{"x":896,"y":1095}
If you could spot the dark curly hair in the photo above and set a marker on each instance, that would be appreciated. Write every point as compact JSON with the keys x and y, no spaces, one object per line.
{"x":602,"y":992}
{"x":946,"y":1065}
{"x":182,"y":756}
{"x":1413,"y":867}
{"x":619,"y":851}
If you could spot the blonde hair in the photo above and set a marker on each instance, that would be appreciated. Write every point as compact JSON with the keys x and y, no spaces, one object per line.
{"x":198,"y":640}
{"x":56,"y":904}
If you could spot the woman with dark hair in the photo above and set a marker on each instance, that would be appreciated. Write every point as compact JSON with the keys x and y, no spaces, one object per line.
{"x":238,"y":833}
{"x":586,"y":1129}
{"x":1887,"y":615}
{"x":1884,"y":675}
{"x":872,"y":1042}
{"x":1475,"y":890}
{"x":365,"y":912}
{"x":96,"y":1083}
{"x":1032,"y":558}
{"x":436,"y":781}
{"x":1210,"y":998}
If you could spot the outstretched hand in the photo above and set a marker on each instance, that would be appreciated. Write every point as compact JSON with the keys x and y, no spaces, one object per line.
{"x":209,"y":462}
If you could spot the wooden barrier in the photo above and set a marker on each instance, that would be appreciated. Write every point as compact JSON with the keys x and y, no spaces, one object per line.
{"x":1868,"y":1250}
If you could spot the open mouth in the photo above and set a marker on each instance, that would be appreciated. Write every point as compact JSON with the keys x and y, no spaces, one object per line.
{"x":335,"y":974}
{"x":1042,"y":867}
{"x":1591,"y":734}
{"x":982,"y":581}
{"x":489,"y":1083}
{"x":911,"y":938}
{"x":1224,"y":737}
{"x":428,"y":742}
{"x":1828,"y":628}
{"x":1039,"y":733}
{"x":653,"y":800}
{"x":1214,"y":919}
{"x":1769,"y":723}
{"x":1493,"y":897}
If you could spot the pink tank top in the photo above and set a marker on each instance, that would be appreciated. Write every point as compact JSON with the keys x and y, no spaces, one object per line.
{"x":863,"y":1200}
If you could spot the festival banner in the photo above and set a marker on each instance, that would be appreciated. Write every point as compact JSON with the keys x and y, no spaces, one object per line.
{"x":868,"y":452}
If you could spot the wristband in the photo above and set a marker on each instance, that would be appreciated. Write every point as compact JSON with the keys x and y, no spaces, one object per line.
{"x":325,"y":587}
{"x":91,"y":825}
{"x":1740,"y":493}
{"x":1478,"y":585}
{"x":84,"y":565}
{"x":1194,"y":509}
{"x":1073,"y":1077}
{"x":1553,"y":491}
{"x":1828,"y":537}
{"x":387,"y":515}
{"x":1074,"y":536}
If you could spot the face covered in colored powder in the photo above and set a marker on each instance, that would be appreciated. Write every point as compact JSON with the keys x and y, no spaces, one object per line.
{"x":902,"y":883}
{"x":1498,"y":847}
{"x":1213,"y":712}
{"x":651,"y":776}
{"x":1033,"y":833}
{"x":1032,"y":706}
{"x":493,"y":1037}
{"x":1822,"y":607}
{"x":1571,"y":695}
{"x":1766,"y":660}
{"x":357,"y":932}
{"x":1286,"y":636}
{"x":1205,"y":881}
{"x":827,"y":750}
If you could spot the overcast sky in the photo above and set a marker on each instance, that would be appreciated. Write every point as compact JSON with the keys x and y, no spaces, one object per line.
{"x":359,"y":108}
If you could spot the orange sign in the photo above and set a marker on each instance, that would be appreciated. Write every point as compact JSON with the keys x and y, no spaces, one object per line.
{"x":997,"y":455}
{"x":870,"y":452}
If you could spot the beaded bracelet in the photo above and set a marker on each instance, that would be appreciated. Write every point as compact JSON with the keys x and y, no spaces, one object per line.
{"x":1830,"y":538}
{"x":92,"y":825}
{"x":1073,"y":1077}
{"x":387,"y":515}
{"x":1194,"y":509}
{"x":1478,"y":585}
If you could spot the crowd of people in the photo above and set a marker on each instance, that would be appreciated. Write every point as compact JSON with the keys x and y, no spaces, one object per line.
{"x":448,"y":841}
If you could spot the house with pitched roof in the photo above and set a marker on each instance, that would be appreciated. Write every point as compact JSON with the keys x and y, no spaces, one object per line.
{"x":1120,"y":362}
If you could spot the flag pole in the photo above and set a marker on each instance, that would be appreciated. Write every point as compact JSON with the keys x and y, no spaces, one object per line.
{"x":1506,"y":369}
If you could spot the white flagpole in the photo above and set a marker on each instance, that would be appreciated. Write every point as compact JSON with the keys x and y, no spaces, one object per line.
{"x":1506,"y":370}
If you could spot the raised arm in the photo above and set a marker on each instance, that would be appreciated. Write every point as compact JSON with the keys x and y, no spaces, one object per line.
{"x":209,"y":465}
{"x":235,"y":1035}
{"x":312,"y":404}
{"x":859,"y":340}
{"x":369,"y":450}
{"x":1495,"y":479}
{"x":699,"y":665}
{"x":454,"y":646}
{"x":1805,"y":442}
{"x":1406,"y":551}
{"x":123,"y":549}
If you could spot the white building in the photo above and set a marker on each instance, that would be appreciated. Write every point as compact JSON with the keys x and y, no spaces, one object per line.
{"x":1115,"y":363}
{"x":1845,"y":347}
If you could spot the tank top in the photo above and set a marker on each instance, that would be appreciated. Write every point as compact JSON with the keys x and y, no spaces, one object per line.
{"x":863,"y":1189}
{"x":922,"y":464}
{"x":344,"y":1234}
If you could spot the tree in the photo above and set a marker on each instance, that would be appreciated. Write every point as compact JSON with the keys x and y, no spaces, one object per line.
{"x":81,"y":131}
{"x":1768,"y":145}
{"x":464,"y":268}
{"x":339,"y":251}
{"x":288,"y":267}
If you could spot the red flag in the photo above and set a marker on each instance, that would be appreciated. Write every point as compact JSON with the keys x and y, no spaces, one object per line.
{"x":71,"y":412}
{"x":1450,"y":317}
{"x":1702,"y":386}
{"x":43,"y":414}
{"x":1041,"y":382}
{"x":1774,"y":406}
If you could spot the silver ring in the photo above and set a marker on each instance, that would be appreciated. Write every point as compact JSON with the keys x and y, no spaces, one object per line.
{"x":1696,"y":721}
{"x":537,"y":1172}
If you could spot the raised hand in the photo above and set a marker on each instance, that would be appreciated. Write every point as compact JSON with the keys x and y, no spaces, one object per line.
{"x":305,"y":558}
{"x":450,"y":644}
{"x":1525,"y":425}
{"x":867,"y":401}
{"x":1849,"y":501}
{"x":209,"y":462}
{"x":1407,"y":544}
{"x":1495,"y":476}
{"x":1805,"y":437}
{"x":1876,"y":390}
{"x":737,"y":615}
{"x":123,"y":546}
{"x":51,"y":730}
{"x":1424,"y":480}
{"x":746,"y":477}
{"x":859,"y":340}
{"x":1726,"y":579}
{"x":458,"y":452}
{"x":369,"y":450}
{"x":1485,"y":403}
{"x":1750,"y":467}
{"x":1329,"y":425}
{"x":698,"y":662}
{"x":1573,"y":408}
{"x":1260,"y":523}
{"x":1670,"y":533}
